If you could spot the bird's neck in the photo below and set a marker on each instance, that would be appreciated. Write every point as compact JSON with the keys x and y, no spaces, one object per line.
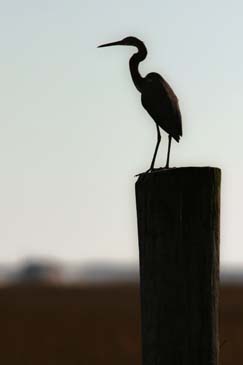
{"x":134,"y":63}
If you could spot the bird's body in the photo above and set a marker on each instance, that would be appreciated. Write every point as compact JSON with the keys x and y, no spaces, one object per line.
{"x":157,"y":96}
{"x":162,"y":104}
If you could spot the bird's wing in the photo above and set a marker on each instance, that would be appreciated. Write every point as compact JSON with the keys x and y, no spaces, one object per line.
{"x":162,"y":104}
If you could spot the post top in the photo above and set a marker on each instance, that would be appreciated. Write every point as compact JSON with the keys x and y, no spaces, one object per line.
{"x":179,"y":171}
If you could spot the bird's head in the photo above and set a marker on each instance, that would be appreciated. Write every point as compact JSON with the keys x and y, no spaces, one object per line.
{"x":128,"y":41}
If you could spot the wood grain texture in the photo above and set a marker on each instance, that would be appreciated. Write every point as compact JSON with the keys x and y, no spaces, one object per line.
{"x":178,"y":227}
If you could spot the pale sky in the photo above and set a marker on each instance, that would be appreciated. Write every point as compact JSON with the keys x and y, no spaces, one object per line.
{"x":68,"y":158}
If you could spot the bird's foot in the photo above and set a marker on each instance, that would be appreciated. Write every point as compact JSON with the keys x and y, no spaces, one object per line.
{"x":150,"y":170}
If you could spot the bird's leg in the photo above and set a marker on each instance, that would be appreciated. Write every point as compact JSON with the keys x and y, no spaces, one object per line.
{"x":168,"y":153}
{"x":156,"y":148}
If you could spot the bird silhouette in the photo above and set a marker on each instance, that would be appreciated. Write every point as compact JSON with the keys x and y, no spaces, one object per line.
{"x":157,"y":97}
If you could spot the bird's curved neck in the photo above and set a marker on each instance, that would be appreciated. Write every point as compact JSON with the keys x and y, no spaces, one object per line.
{"x":134,"y":63}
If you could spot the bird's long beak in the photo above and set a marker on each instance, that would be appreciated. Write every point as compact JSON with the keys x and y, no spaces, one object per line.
{"x":119,"y":43}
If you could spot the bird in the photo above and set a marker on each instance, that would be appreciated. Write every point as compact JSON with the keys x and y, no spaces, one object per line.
{"x":157,"y":97}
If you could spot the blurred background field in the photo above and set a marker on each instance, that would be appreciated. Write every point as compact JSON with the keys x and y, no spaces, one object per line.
{"x":54,"y":314}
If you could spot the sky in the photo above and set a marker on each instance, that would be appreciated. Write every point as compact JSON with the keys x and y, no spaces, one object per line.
{"x":74,"y":133}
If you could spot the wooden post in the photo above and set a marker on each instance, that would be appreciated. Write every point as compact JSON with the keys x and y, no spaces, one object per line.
{"x":178,"y":229}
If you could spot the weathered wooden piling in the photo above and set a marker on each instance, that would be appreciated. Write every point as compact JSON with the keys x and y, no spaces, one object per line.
{"x":178,"y":227}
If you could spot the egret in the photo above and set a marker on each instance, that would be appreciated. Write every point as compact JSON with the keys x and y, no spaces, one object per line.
{"x":157,"y":97}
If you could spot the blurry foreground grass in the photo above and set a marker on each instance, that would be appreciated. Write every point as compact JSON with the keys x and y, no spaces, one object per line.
{"x":92,"y":325}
